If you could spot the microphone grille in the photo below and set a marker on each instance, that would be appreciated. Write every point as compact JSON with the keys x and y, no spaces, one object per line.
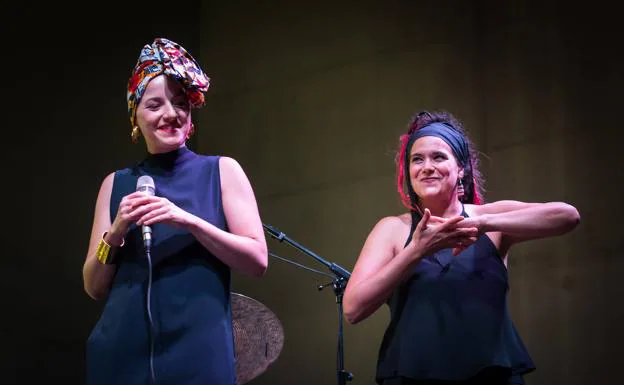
{"x":145,"y":183}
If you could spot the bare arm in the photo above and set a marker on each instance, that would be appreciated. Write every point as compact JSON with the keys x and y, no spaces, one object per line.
{"x":377,"y":271}
{"x":243,"y":248}
{"x":519,"y":221}
{"x":96,"y":276}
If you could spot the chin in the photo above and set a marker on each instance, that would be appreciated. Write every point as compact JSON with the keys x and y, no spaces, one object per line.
{"x":428,"y":191}
{"x":172,"y":141}
{"x":167,"y":145}
{"x":431,"y":194}
{"x":427,"y":196}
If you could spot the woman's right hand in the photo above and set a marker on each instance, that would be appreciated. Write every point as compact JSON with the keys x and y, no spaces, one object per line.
{"x":434,"y":233}
{"x":131,"y":208}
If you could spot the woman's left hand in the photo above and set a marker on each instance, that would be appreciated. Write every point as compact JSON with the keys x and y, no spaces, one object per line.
{"x":161,"y":210}
{"x":470,"y":222}
{"x":477,"y":222}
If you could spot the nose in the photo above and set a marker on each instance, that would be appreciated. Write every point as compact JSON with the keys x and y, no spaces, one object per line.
{"x":169,"y":113}
{"x":427,"y":166}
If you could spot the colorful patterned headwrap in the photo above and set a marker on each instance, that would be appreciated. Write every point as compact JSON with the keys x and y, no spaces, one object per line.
{"x":164,"y":56}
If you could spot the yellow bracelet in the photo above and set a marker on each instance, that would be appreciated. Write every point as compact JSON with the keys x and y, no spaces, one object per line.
{"x":106,"y":253}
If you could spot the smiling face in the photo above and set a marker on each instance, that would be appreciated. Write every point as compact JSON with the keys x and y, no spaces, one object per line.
{"x":164,"y":115}
{"x":433,"y":169}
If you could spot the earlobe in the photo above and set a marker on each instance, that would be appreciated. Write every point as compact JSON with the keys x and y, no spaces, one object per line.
{"x":135,"y":134}
{"x":191,"y":131}
{"x":460,"y":184}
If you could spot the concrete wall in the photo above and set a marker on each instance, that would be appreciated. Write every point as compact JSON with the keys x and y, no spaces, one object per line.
{"x":311,"y":98}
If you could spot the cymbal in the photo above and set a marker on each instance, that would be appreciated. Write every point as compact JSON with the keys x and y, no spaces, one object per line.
{"x":258,"y":337}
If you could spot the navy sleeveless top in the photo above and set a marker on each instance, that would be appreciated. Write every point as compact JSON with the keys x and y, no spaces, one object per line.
{"x":190,"y":290}
{"x":449,"y":318}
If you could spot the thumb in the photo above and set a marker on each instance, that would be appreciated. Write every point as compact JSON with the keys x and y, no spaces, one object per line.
{"x":422,"y":225}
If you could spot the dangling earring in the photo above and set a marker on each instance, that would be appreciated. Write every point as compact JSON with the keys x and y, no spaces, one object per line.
{"x":191,"y":131}
{"x":460,"y":188}
{"x":135,"y":134}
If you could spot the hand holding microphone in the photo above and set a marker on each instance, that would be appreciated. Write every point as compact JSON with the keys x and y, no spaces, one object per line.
{"x":157,"y":210}
{"x":144,"y":208}
{"x":133,"y":207}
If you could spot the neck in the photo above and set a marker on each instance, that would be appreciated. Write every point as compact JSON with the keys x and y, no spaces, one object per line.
{"x":443,"y":208}
{"x":169,"y":160}
{"x":163,"y":150}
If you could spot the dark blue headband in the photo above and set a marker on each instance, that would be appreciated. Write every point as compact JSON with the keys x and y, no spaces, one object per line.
{"x":448,"y":134}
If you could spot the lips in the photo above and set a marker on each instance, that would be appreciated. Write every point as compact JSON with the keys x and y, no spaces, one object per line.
{"x":167,"y":128}
{"x":429,"y":180}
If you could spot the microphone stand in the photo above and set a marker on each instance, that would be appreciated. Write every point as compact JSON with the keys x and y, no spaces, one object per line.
{"x":339,"y":283}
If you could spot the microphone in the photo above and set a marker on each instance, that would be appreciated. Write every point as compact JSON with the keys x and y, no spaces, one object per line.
{"x":146,"y":185}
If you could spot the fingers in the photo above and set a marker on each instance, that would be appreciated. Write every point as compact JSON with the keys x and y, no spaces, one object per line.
{"x":462,"y":244}
{"x":464,"y":232}
{"x":136,"y":195}
{"x":450,"y":222}
{"x":140,"y":198}
{"x":131,"y":209}
{"x":154,"y":216}
{"x":137,"y":199}
{"x":457,"y":250}
{"x":132,"y":204}
{"x":142,"y":211}
{"x":422,"y":225}
{"x":435,"y":219}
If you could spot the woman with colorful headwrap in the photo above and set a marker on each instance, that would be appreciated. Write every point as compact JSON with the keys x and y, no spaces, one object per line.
{"x":167,"y":317}
{"x":442,"y":267}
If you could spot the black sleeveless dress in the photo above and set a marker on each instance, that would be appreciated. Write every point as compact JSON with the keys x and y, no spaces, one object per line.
{"x":450,"y":322}
{"x":191,"y":327}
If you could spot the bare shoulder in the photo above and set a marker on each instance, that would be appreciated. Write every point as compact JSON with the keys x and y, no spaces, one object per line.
{"x":232,"y":174}
{"x":394,"y":222}
{"x":392,"y":230}
{"x":106,"y":187}
{"x":383,"y":242}
{"x":102,"y":219}
{"x":109,"y":178}
{"x":229,"y":165}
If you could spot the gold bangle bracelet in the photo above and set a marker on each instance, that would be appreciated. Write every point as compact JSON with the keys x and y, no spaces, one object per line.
{"x":106,"y":253}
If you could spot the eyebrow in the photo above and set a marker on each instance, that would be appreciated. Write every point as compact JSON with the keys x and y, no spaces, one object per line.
{"x":155,"y":97}
{"x":433,"y":152}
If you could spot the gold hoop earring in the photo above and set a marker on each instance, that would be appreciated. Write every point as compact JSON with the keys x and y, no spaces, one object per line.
{"x":460,"y":188}
{"x":135,"y":134}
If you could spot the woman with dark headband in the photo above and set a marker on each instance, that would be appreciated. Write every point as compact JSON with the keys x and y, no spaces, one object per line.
{"x":442,"y":267}
{"x":167,"y":317}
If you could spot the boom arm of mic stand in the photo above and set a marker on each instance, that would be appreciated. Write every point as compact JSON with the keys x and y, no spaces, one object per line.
{"x":280,"y":236}
{"x":339,"y":284}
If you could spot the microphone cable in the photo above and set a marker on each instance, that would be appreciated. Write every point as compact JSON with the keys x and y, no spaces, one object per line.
{"x":145,"y":183}
{"x":148,"y":306}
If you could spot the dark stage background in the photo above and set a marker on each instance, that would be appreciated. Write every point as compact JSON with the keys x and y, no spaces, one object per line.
{"x":310,"y":98}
